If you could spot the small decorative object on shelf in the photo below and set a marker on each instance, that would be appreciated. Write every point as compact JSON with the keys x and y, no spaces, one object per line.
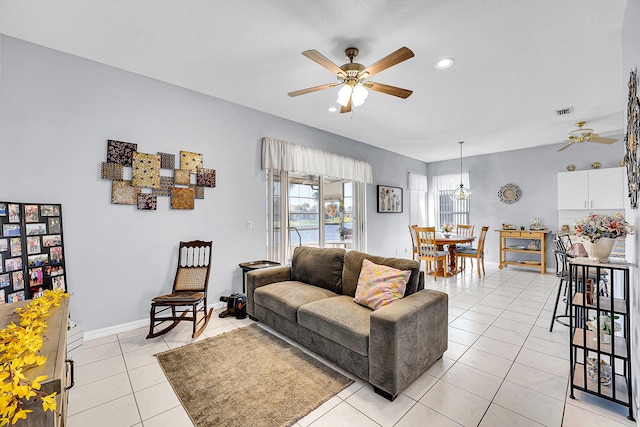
{"x":589,"y":291}
{"x":605,"y":371}
{"x":536,"y":224}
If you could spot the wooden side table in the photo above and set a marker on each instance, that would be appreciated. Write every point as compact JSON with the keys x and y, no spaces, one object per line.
{"x":253,"y":265}
{"x":518,"y":235}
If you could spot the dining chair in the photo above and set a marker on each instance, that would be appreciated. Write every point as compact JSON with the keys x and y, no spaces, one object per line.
{"x":562,"y":273}
{"x":414,"y":241}
{"x":563,"y":251}
{"x":188,"y":298}
{"x":465,"y":230}
{"x":428,"y":250}
{"x":471,"y":252}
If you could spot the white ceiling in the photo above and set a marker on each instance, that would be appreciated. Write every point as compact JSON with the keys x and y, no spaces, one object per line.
{"x":516,"y":61}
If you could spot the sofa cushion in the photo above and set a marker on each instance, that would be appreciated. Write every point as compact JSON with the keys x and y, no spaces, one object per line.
{"x":284,"y":298}
{"x":353,"y":265}
{"x":379,"y":285}
{"x":318,"y":266}
{"x":340,"y":320}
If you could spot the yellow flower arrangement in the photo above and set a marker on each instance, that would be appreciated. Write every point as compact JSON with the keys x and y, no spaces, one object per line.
{"x":19,"y":350}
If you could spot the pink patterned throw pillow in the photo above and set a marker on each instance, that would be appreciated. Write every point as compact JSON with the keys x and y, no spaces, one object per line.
{"x":379,"y":285}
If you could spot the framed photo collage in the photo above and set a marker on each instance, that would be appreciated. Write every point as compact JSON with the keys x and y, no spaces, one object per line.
{"x":31,"y":250}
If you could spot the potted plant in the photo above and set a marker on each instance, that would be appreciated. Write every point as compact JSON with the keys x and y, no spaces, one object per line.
{"x":447,"y":229}
{"x":602,"y":230}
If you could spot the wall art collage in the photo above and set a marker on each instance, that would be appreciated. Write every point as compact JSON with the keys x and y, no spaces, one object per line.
{"x":148,"y":181}
{"x":31,"y":250}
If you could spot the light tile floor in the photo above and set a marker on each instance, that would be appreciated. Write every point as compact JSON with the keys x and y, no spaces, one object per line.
{"x":503,"y":368}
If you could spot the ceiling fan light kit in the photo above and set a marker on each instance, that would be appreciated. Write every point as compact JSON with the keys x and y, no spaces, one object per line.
{"x":353,"y":77}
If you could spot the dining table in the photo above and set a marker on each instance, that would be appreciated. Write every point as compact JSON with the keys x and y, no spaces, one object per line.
{"x":450,"y":241}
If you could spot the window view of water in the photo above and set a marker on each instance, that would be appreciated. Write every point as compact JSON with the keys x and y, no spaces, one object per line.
{"x":310,"y":236}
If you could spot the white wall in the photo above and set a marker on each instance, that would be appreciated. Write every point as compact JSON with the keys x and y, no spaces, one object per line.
{"x":57,"y":112}
{"x":631,"y":60}
{"x":535,"y":171}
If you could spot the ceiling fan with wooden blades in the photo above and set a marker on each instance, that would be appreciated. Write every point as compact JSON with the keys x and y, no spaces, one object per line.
{"x":353,"y":77}
{"x":583,"y":134}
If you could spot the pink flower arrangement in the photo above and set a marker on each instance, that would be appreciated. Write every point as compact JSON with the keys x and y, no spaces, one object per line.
{"x":595,"y":226}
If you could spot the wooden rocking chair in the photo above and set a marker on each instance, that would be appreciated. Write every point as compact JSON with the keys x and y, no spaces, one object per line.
{"x":188,"y":298}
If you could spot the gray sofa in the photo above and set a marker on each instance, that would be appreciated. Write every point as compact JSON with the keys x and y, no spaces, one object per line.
{"x":312,"y":301}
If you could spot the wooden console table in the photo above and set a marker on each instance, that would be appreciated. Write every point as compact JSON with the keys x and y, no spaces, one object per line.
{"x":55,"y":368}
{"x":518,"y":235}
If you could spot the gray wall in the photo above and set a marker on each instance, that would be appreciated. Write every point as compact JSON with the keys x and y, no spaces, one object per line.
{"x":534,"y":170}
{"x":631,"y":60}
{"x":57,"y":112}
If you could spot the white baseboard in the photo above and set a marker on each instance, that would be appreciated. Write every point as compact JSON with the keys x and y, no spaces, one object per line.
{"x":124,"y":327}
{"x":115,"y":329}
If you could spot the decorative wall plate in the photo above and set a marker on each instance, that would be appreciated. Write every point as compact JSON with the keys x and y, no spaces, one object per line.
{"x":509,"y":193}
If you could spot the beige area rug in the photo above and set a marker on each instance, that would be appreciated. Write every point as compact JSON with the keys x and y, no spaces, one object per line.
{"x":248,"y":377}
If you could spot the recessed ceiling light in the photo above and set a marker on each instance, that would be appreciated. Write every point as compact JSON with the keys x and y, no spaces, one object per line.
{"x":332,"y":109}
{"x":444,"y":63}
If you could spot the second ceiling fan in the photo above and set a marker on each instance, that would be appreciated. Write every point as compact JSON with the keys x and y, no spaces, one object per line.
{"x":355,"y":77}
{"x":583,"y":134}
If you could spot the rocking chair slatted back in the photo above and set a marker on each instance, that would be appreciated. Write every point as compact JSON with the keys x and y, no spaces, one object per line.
{"x":194,"y":261}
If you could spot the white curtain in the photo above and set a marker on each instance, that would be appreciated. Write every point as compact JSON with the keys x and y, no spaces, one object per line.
{"x":281,"y":155}
{"x":417,"y":185}
{"x":440,"y":183}
{"x":417,"y":182}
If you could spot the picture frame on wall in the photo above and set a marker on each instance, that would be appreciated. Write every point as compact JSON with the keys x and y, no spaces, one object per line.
{"x":389,"y":199}
{"x":49,"y":210}
{"x":31,"y":250}
{"x":31,"y":213}
{"x":10,"y":230}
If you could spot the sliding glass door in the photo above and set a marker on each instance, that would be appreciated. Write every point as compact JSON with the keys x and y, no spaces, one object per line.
{"x":312,"y":210}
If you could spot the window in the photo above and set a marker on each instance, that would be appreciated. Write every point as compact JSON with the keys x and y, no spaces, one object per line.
{"x":452,"y":211}
{"x":443,"y":208}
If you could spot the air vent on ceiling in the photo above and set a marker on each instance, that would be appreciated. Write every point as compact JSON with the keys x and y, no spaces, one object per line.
{"x":564,"y":111}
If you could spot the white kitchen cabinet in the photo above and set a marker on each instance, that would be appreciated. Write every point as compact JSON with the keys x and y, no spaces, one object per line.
{"x":592,"y":189}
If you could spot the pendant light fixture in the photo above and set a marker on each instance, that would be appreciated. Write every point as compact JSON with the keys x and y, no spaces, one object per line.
{"x":461,"y":193}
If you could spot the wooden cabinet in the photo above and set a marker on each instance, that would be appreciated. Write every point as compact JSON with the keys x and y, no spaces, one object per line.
{"x":56,"y":368}
{"x":600,"y":331}
{"x":592,"y":189}
{"x":514,"y":242}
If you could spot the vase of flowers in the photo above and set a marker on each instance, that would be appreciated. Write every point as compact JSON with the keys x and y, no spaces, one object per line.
{"x":447,"y":229}
{"x":602,"y":230}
